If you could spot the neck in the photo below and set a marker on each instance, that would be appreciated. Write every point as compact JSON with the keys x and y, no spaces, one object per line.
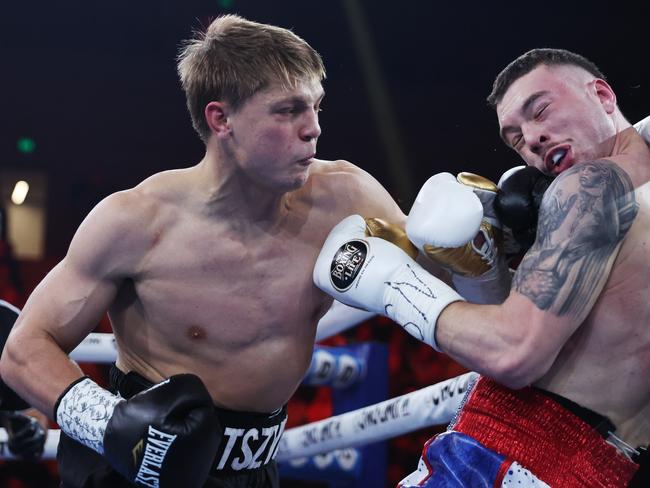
{"x":622,"y":139}
{"x":630,"y":151}
{"x":229,"y":194}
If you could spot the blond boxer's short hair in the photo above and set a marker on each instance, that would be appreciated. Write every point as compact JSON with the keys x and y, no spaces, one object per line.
{"x":235,"y":58}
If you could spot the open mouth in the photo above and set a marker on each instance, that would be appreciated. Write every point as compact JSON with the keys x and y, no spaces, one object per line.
{"x":558,"y":155}
{"x":558,"y":159}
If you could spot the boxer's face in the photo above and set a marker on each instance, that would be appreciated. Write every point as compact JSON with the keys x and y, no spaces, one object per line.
{"x":274,"y":134}
{"x":555,"y":117}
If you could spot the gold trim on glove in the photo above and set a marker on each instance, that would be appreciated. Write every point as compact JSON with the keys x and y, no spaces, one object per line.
{"x":392,"y":233}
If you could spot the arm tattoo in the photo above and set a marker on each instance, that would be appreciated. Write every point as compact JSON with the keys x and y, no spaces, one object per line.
{"x":584,"y":216}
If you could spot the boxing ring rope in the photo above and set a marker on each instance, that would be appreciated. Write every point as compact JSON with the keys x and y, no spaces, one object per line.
{"x":432,"y":405}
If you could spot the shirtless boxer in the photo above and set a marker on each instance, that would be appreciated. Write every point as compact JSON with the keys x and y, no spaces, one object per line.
{"x":575,"y":324}
{"x":206,"y":274}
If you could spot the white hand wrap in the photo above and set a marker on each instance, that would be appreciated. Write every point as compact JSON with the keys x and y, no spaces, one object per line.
{"x":83,"y":413}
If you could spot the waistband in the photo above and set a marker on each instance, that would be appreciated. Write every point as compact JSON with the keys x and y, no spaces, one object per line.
{"x":250,"y":439}
{"x":598,"y":422}
{"x":530,"y":427}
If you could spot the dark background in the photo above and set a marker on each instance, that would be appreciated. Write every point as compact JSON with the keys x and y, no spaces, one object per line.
{"x":94,"y":84}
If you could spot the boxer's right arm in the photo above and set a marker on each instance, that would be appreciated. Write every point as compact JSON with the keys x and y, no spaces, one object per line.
{"x":71,"y":300}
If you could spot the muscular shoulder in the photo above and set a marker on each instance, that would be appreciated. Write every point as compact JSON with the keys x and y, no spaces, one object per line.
{"x":584,"y":216}
{"x":113,"y":232}
{"x":595,"y":196}
{"x":117,"y":234}
{"x":345,"y":186}
{"x":600,"y":172}
{"x":340,"y":173}
{"x":151,"y":203}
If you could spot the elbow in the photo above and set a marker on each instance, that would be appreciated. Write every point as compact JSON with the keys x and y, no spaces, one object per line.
{"x":520,"y":369}
{"x":11,"y":364}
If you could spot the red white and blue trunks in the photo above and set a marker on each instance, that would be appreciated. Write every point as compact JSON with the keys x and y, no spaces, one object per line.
{"x":522,"y":438}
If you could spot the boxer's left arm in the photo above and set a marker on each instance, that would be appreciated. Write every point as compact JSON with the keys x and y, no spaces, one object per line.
{"x":353,"y":190}
{"x":556,"y":284}
{"x":378,"y":276}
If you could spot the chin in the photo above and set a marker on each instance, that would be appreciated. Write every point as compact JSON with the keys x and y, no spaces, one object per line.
{"x":299,"y":181}
{"x":297,"y":184}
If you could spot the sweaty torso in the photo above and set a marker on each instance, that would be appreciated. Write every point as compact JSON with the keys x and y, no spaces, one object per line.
{"x":231,"y":302}
{"x":605,"y":366}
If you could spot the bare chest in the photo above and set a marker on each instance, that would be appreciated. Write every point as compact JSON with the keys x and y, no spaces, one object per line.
{"x":623,"y":309}
{"x":244,"y":290}
{"x":611,"y":349}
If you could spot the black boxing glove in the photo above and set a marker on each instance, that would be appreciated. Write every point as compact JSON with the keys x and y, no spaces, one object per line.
{"x":26,"y":436}
{"x":520,"y":194}
{"x":166,"y":436}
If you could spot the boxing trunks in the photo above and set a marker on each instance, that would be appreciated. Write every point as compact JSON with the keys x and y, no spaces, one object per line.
{"x":525,"y":438}
{"x":244,"y":459}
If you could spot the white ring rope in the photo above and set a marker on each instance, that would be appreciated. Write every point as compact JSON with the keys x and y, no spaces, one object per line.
{"x":97,"y":347}
{"x":100,"y":347}
{"x":433,"y":405}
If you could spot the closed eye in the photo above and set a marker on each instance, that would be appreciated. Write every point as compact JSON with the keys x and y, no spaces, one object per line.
{"x":288,"y":110}
{"x":539,"y":113}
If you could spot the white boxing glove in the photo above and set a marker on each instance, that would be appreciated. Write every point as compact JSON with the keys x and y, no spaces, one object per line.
{"x":376,"y":275}
{"x":471,"y":255}
{"x":444,"y":214}
{"x":643,"y":128}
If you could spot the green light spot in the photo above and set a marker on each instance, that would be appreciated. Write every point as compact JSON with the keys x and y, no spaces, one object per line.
{"x":226,"y":3}
{"x":26,"y":145}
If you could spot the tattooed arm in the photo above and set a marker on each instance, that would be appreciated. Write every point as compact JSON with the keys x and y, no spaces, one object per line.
{"x":583,"y":219}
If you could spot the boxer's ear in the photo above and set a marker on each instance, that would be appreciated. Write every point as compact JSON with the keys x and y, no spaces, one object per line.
{"x":216,"y":116}
{"x":605,"y":94}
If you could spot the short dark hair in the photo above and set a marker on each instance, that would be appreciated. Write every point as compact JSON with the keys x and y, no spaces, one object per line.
{"x":525,"y":63}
